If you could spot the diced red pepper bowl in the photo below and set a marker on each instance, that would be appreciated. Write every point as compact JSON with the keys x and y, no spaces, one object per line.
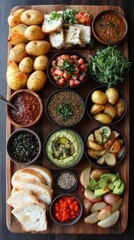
{"x":65,"y":209}
{"x":68,"y":69}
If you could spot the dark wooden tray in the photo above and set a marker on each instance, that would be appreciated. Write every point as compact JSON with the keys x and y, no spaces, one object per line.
{"x":44,"y":127}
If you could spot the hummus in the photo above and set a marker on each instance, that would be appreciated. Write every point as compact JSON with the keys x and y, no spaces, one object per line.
{"x":64,"y":148}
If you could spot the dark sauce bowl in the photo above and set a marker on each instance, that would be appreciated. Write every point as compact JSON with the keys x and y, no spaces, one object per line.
{"x":15,"y":134}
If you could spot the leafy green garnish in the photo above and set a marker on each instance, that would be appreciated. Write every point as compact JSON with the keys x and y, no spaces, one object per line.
{"x":69,"y":16}
{"x":55,"y":15}
{"x":68,"y":67}
{"x":109,"y":66}
{"x":65,"y":109}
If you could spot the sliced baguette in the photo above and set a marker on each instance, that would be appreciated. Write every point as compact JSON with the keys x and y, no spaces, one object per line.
{"x":21,"y":197}
{"x":73,"y":35}
{"x":41,"y":191}
{"x":50,"y":26}
{"x":85,"y":34}
{"x":32,"y":217}
{"x":57,"y":39}
{"x":26,"y":174}
{"x":44,"y":172}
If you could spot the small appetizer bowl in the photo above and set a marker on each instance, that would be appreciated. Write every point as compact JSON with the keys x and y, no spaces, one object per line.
{"x":105,"y":147}
{"x":63,"y":148}
{"x":68,"y":69}
{"x":24,"y":146}
{"x":30,"y":108}
{"x":109,"y":27}
{"x":67,"y":219}
{"x":65,"y":108}
{"x":66,"y":181}
{"x":107,"y":106}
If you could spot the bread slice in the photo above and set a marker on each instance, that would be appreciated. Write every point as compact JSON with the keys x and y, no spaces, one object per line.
{"x":49,"y":25}
{"x":26,"y":174}
{"x":57,"y":39}
{"x":41,"y":191}
{"x":44,"y":172}
{"x":21,"y":197}
{"x":32,"y":217}
{"x":85,"y":34}
{"x":73,"y":35}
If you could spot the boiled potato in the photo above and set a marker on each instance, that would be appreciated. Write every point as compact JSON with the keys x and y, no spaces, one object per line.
{"x":36,"y":81}
{"x":17,"y":81}
{"x":26,"y":65}
{"x":14,"y":18}
{"x":12,"y":68}
{"x":17,"y":34}
{"x":96,"y":108}
{"x":41,"y":62}
{"x":112,"y":95}
{"x":103,"y":118}
{"x":92,"y":218}
{"x":99,"y":97}
{"x":98,"y":206}
{"x":109,"y":221}
{"x":34,"y":32}
{"x":17,"y":53}
{"x":32,"y":17}
{"x":110,"y":111}
{"x":120,"y":107}
{"x":37,"y":48}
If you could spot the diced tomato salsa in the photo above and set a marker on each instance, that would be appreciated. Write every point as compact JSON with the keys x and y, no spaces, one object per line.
{"x":84,"y":18}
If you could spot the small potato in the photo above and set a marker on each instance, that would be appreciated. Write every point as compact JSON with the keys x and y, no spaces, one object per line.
{"x":37,"y":48}
{"x":12,"y":68}
{"x":109,"y":221}
{"x":34,"y":32}
{"x":105,"y":212}
{"x":98,"y":206}
{"x":92,"y":218}
{"x":26,"y":65}
{"x":103,"y":118}
{"x":96,"y":108}
{"x":120,"y":107}
{"x":95,"y":146}
{"x":14,"y":18}
{"x":110,"y":111}
{"x":17,"y":34}
{"x":111,"y":198}
{"x":99,"y":97}
{"x":36,"y":81}
{"x":112,"y":95}
{"x":85,"y":177}
{"x":17,"y":81}
{"x":110,"y":159}
{"x":17,"y":53}
{"x":115,"y":147}
{"x":41,"y":62}
{"x":32,"y":17}
{"x":93,"y":153}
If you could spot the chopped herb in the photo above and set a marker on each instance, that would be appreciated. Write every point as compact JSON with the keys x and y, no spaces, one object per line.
{"x":68,"y":67}
{"x":65,"y":109}
{"x":55,"y":15}
{"x":69,"y":16}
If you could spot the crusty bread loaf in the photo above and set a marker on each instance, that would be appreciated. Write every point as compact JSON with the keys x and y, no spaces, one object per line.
{"x":44,"y":172}
{"x":57,"y":39}
{"x":50,"y":25}
{"x":21,"y":197}
{"x":41,"y":191}
{"x":32,"y":217}
{"x":26,"y":174}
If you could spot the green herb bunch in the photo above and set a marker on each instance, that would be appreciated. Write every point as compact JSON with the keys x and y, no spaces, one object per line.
{"x":65,"y":109}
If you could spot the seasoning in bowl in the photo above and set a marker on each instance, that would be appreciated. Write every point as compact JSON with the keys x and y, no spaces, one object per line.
{"x":66,"y":181}
{"x":23,"y":146}
{"x":65,"y":108}
{"x":110,"y":27}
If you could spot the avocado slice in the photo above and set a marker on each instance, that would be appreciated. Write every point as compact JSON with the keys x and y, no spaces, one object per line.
{"x":102,"y":183}
{"x":119,"y":190}
{"x":117,"y":183}
{"x":111,"y":185}
{"x":92,"y":184}
{"x":101,"y":191}
{"x":110,"y":177}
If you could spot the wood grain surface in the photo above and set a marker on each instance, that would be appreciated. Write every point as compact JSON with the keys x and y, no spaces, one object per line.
{"x":44,"y":127}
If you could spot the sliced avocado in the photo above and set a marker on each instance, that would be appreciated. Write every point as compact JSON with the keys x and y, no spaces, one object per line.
{"x":117,"y":183}
{"x":110,"y":177}
{"x":102,"y":183}
{"x":92,"y":184}
{"x":101,"y":191}
{"x":118,"y":175}
{"x":119,"y":190}
{"x":111,"y":185}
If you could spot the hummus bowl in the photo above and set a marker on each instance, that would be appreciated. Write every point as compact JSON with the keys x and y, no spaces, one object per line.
{"x":64,"y":148}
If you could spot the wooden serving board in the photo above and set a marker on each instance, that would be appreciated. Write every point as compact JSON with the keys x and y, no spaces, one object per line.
{"x":44,"y":127}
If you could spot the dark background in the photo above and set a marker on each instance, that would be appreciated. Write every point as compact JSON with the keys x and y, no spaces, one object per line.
{"x":5,"y":7}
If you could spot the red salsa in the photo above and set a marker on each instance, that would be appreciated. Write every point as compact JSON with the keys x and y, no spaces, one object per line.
{"x":110,"y":27}
{"x":28,"y":108}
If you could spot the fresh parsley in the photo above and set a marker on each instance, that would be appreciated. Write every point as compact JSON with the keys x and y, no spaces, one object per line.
{"x":68,"y":67}
{"x":55,"y":15}
{"x":69,"y":16}
{"x":65,"y":109}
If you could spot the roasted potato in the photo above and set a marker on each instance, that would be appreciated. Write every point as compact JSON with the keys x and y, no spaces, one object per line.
{"x":96,"y":108}
{"x":36,"y":81}
{"x":17,"y":53}
{"x":37,"y":48}
{"x":109,"y":221}
{"x":17,"y":81}
{"x":98,"y":206}
{"x":99,"y":97}
{"x":115,"y":147}
{"x":17,"y":34}
{"x":95,"y":146}
{"x":103,"y":118}
{"x":41,"y":62}
{"x":94,"y":154}
{"x":14,"y":18}
{"x":26,"y":65}
{"x":110,"y":159}
{"x":12,"y":68}
{"x":110,"y":111}
{"x":34,"y":32}
{"x":112,"y":95}
{"x":105,"y":212}
{"x":120,"y":107}
{"x":32,"y":17}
